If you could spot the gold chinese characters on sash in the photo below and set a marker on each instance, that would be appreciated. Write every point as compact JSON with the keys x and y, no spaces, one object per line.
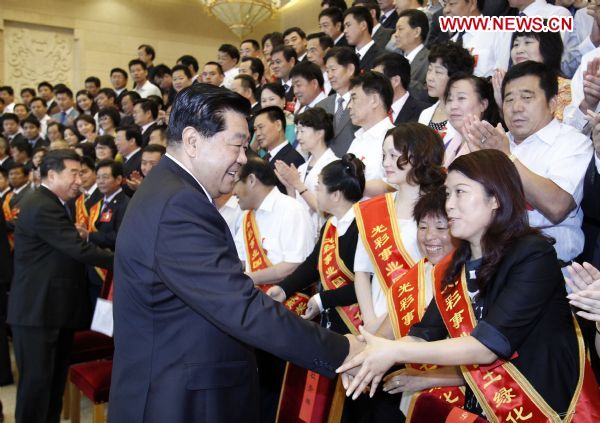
{"x":378,"y":228}
{"x":256,"y":259}
{"x":501,"y":389}
{"x":334,"y":275}
{"x":406,"y":306}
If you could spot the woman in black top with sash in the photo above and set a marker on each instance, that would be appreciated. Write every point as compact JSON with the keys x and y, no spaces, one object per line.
{"x":501,"y":298}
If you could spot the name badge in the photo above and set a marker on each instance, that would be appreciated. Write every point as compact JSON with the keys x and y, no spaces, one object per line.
{"x":106,"y":216}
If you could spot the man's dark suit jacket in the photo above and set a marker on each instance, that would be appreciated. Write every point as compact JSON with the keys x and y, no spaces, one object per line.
{"x":40,"y":142}
{"x":187,"y":319}
{"x":289,"y":156}
{"x":382,"y":37}
{"x":18,"y":138}
{"x":106,"y":237}
{"x":391,"y":21}
{"x":410,"y":111}
{"x":134,"y":163}
{"x":366,"y":62}
{"x":49,"y":288}
{"x":344,"y":131}
{"x":146,"y":134}
{"x":591,"y":215}
{"x":7,"y":164}
{"x":16,"y":200}
{"x":342,"y":42}
{"x":418,"y":74}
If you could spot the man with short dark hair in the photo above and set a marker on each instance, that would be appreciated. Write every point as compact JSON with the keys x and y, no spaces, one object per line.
{"x":283,"y":59}
{"x":92,"y":85}
{"x":8,"y":95}
{"x":228,"y":57}
{"x":145,"y":113}
{"x":27,"y":94}
{"x":40,"y":111}
{"x":307,"y":80}
{"x":317,"y":46}
{"x":106,"y":98}
{"x":5,"y":160}
{"x":129,"y":143}
{"x":213,"y":74}
{"x":296,"y":38}
{"x":405,"y":108}
{"x":175,"y":247}
{"x":358,"y":24}
{"x":139,"y":74}
{"x":46,"y":91}
{"x":370,"y":99}
{"x":10,"y":128}
{"x":18,"y":178}
{"x":380,"y":35}
{"x":163,"y":79}
{"x":118,"y":79}
{"x":250,"y":48}
{"x":331,"y":22}
{"x":411,"y":32}
{"x":21,"y":152}
{"x":147,"y":55}
{"x":389,"y":15}
{"x":48,"y":299}
{"x":32,"y":132}
{"x":342,"y":65}
{"x":253,"y":67}
{"x":192,"y":64}
{"x":128,"y":99}
{"x":67,"y":112}
{"x":269,"y":131}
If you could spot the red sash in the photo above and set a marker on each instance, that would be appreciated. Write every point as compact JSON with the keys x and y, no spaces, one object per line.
{"x":257,"y":259}
{"x":9,"y":215}
{"x":407,"y":305}
{"x":305,"y":395}
{"x":81,"y":212}
{"x":502,"y":391}
{"x":378,"y":228}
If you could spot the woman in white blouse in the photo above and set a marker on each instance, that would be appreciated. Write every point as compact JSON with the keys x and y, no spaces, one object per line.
{"x":314,"y":131}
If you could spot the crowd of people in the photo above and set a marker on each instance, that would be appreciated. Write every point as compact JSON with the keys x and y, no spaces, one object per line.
{"x":436,"y":195}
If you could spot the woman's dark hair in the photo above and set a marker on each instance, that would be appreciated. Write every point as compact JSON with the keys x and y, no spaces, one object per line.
{"x":112,"y":113}
{"x":93,"y":108}
{"x":75,"y":131}
{"x":422,"y":148}
{"x":276,"y":39}
{"x":260,"y":169}
{"x":317,"y":119}
{"x":551,"y":46}
{"x":346,"y":175}
{"x":87,"y":118}
{"x":454,"y":57}
{"x":483,"y":87}
{"x":108,"y":141}
{"x":87,"y":149}
{"x":276,"y":88}
{"x":432,"y":203}
{"x":500,"y":179}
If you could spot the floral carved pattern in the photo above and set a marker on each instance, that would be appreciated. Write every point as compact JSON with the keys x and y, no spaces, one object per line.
{"x":35,"y":54}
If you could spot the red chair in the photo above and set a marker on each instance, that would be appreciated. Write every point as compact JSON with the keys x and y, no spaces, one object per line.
{"x":93,"y":381}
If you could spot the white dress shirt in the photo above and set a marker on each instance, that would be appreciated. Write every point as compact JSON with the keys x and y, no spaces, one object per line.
{"x":361,"y":52}
{"x":368,"y":147}
{"x":363,"y":263}
{"x":413,"y":53}
{"x":310,"y":181}
{"x":398,"y":105}
{"x":286,"y":231}
{"x":482,"y":46}
{"x":232,"y":214}
{"x":572,"y":115}
{"x":561,"y":154}
{"x":148,"y":89}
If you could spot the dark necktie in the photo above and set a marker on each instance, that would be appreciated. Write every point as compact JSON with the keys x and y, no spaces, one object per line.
{"x":459,"y":40}
{"x":68,"y":210}
{"x":267,"y":157}
{"x":339,"y":112}
{"x":63,"y":117}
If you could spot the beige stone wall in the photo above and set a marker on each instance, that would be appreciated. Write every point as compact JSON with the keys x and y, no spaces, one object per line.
{"x":106,"y":33}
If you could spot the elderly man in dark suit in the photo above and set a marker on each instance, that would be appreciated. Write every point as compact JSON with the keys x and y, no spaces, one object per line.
{"x":48,"y":298}
{"x":186,"y":316}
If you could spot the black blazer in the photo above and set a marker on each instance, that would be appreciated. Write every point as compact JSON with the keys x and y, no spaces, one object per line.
{"x":5,"y":256}
{"x":108,"y":228}
{"x":146,"y":134}
{"x":590,"y":206}
{"x":527,"y":304}
{"x":48,"y":288}
{"x":391,"y":21}
{"x":308,"y":273}
{"x":288,"y":155}
{"x":40,"y":142}
{"x":7,"y":164}
{"x":134,"y":163}
{"x":187,"y":317}
{"x":410,"y":111}
{"x":342,"y":42}
{"x":366,"y":62}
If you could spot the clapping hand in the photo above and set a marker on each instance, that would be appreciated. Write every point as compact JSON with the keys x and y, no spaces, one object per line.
{"x":584,"y":282}
{"x":481,"y":135}
{"x":312,"y":309}
{"x":591,"y":86}
{"x":287,"y":174}
{"x":83,"y":231}
{"x":134,"y":180}
{"x":374,"y":362}
{"x":497,"y":79}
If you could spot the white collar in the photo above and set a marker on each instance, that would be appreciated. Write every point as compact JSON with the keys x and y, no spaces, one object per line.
{"x":269,"y":201}
{"x":18,"y":190}
{"x":5,"y":191}
{"x":399,"y":104}
{"x":535,"y":8}
{"x":4,"y":159}
{"x":48,"y":188}
{"x":338,"y":38}
{"x":277,"y":149}
{"x":375,"y":28}
{"x":388,"y":13}
{"x":301,"y":58}
{"x":547,"y":134}
{"x":90,"y":191}
{"x":413,"y":53}
{"x":346,"y":98}
{"x":364,"y":50}
{"x":344,"y":223}
{"x":178,"y":163}
{"x":112,"y":196}
{"x":382,"y":124}
{"x":146,"y":126}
